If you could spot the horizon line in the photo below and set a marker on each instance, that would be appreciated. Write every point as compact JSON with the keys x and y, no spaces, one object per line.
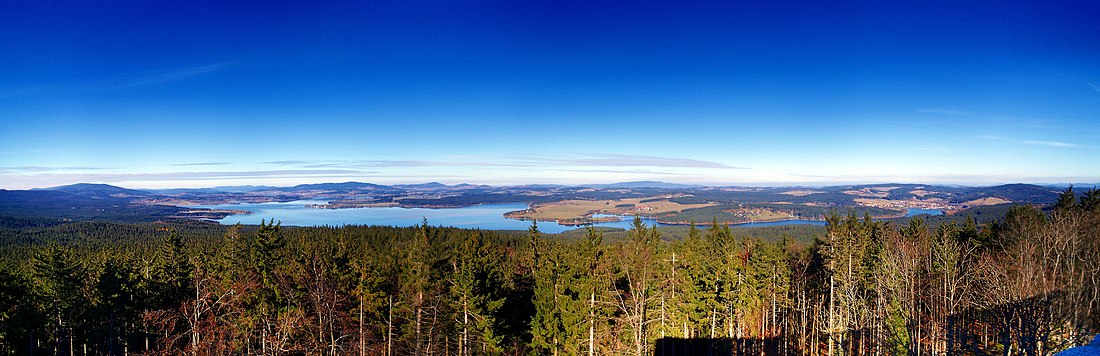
{"x":684,"y":185}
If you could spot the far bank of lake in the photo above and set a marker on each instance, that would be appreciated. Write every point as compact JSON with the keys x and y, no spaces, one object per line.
{"x":487,"y":217}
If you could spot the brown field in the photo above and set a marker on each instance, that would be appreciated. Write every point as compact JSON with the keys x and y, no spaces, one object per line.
{"x":759,"y":214}
{"x":920,"y":192}
{"x":874,"y":202}
{"x":573,"y":209}
{"x":871,"y":192}
{"x":801,"y":193}
{"x":986,"y":201}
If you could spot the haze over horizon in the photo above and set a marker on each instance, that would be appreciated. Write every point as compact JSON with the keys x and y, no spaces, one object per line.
{"x":651,"y":184}
{"x":202,"y":94}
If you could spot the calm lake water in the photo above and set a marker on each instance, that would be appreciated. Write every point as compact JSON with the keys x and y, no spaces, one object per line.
{"x":914,"y":212}
{"x":488,"y":217}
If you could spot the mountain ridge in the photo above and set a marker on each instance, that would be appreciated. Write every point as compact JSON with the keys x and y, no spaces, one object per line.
{"x":95,"y":201}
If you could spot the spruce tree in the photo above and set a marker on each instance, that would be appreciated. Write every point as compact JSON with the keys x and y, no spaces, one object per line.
{"x":1067,"y":200}
{"x":475,"y":296}
{"x":547,"y":329}
{"x":58,"y":279}
{"x":172,"y":272}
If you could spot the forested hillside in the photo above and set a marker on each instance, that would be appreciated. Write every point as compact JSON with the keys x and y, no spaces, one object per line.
{"x":1028,"y":283}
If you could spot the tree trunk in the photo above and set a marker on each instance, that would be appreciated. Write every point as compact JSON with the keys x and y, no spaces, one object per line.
{"x":592,"y":324}
{"x":464,"y":344}
{"x":713,"y":315}
{"x":420,"y":300}
{"x":772,"y":330}
{"x":663,"y":326}
{"x":832,"y":320}
{"x":389,"y":329}
{"x":72,"y":351}
{"x":362,"y":339}
{"x":431,"y":329}
{"x":195,"y":324}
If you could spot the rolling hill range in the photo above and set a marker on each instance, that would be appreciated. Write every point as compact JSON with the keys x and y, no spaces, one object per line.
{"x":82,"y":204}
{"x":111,"y":203}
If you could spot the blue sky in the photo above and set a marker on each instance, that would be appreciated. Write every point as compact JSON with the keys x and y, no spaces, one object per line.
{"x":152,"y":94}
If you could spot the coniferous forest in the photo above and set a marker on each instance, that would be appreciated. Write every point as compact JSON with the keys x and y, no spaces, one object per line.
{"x":1026,"y":284}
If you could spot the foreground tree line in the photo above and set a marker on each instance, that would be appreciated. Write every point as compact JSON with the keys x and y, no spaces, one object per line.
{"x":1028,"y":284}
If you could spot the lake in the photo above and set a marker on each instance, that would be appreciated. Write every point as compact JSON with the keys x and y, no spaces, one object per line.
{"x":487,"y":217}
{"x":914,"y":212}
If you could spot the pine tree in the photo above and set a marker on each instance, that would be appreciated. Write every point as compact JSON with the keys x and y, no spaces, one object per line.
{"x":547,"y":329}
{"x":115,"y":289}
{"x":634,"y":284}
{"x":19,"y":318}
{"x":594,"y":282}
{"x":847,"y":250}
{"x":371,"y":299}
{"x":727,"y":266}
{"x":1090,"y":201}
{"x":475,"y":296}
{"x":265,"y":255}
{"x":172,"y":272}
{"x":772,"y":271}
{"x":58,"y":279}
{"x":265,"y":250}
{"x":416,"y":282}
{"x":697,"y":287}
{"x":1067,"y":200}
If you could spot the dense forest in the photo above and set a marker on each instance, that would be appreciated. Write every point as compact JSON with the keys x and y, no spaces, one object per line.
{"x":1028,"y":283}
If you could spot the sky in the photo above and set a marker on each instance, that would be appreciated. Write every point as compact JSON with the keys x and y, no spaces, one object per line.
{"x":159,"y":94}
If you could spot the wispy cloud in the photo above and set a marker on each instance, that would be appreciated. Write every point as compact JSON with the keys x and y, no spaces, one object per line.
{"x":620,"y":160}
{"x":934,"y":149}
{"x":616,"y":171}
{"x":200,"y":164}
{"x":199,"y":175}
{"x":1090,"y":83}
{"x":414,"y":163}
{"x":462,"y":157}
{"x":995,"y":119}
{"x":167,"y":76}
{"x":122,"y":82}
{"x":172,"y":179}
{"x":1024,"y":122}
{"x":585,"y":160}
{"x":1051,"y":143}
{"x":39,"y":169}
{"x":1093,"y":86}
{"x":244,"y":174}
{"x":360,"y":164}
{"x":287,"y":162}
{"x":950,"y":112}
{"x":963,"y":179}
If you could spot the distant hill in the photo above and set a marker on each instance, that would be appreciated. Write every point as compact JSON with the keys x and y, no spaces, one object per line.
{"x":106,"y":202}
{"x":540,"y":186}
{"x":100,"y":191}
{"x":214,"y":190}
{"x":345,"y":186}
{"x":643,"y":184}
{"x":1017,"y":193}
{"x":94,"y":202}
{"x":470,"y":186}
{"x":429,"y":185}
{"x":174,"y":191}
{"x":242,"y":188}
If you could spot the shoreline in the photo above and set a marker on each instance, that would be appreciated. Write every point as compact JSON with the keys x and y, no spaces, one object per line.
{"x":619,"y":218}
{"x":208,"y":214}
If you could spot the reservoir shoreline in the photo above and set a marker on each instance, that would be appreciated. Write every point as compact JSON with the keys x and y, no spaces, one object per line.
{"x":482,"y":216}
